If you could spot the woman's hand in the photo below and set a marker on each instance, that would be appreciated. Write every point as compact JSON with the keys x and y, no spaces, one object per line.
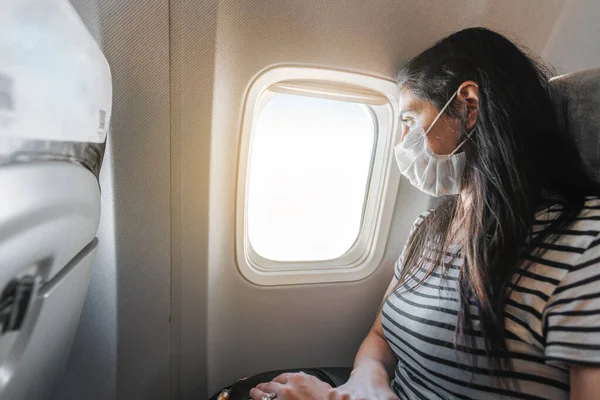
{"x":292,"y":386}
{"x":363,"y":387}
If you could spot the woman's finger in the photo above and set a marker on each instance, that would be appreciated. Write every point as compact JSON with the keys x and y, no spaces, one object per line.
{"x":269,"y":387}
{"x":283,"y":378}
{"x":256,"y":394}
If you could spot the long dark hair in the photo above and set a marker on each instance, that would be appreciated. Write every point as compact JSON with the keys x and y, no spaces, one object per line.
{"x":518,"y":157}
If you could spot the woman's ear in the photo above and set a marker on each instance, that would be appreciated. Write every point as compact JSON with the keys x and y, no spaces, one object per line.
{"x":468,"y":94}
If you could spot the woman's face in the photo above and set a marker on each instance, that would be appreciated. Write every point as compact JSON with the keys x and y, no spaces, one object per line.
{"x":443,"y":137}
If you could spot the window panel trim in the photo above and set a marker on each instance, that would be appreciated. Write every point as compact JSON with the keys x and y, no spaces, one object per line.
{"x":366,"y":253}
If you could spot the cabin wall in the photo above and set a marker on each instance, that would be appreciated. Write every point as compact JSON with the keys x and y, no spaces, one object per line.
{"x":574,"y":43}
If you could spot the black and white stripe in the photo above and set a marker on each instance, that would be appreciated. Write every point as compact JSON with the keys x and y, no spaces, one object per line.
{"x":552,"y":322}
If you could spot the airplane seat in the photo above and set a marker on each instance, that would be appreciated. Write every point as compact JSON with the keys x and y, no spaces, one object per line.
{"x":55,"y":105}
{"x":578,"y":102}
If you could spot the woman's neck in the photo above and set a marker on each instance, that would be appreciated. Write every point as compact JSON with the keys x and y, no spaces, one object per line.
{"x":465,"y":200}
{"x":457,"y":226}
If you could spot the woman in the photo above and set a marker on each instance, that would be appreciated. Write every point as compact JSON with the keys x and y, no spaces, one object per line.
{"x":495,"y":295}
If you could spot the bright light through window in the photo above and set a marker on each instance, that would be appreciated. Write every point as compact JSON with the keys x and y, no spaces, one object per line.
{"x":308,"y":173}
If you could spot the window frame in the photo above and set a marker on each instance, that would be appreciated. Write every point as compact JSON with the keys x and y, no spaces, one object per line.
{"x":366,"y":253}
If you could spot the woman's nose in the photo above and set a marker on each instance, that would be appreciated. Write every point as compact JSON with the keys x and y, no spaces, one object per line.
{"x":403,"y":131}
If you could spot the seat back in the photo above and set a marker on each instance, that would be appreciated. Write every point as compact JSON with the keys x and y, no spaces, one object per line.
{"x":579,"y":107}
{"x":55,"y":104}
{"x":48,"y":223}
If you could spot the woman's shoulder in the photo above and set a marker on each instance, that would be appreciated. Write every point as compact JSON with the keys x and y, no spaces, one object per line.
{"x":589,"y":216}
{"x":421,"y":218}
{"x":551,"y":210}
{"x":591,"y":205}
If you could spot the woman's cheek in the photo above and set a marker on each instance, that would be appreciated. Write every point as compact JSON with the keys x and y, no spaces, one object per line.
{"x":436,"y":145}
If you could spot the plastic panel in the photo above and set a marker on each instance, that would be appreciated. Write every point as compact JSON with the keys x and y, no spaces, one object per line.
{"x":49,"y":212}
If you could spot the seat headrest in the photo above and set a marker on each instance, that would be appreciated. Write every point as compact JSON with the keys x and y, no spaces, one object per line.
{"x":579,"y":106}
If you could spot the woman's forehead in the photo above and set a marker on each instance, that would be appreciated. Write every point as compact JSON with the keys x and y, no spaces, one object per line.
{"x":410,"y":102}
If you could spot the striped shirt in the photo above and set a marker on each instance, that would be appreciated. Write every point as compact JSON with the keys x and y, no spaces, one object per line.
{"x":552,"y":321}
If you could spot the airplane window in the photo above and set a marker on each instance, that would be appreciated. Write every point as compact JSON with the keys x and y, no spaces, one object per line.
{"x":309,"y":165}
{"x":316,"y":179}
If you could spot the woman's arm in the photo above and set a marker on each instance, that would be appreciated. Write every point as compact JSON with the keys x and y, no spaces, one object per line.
{"x":584,"y":383}
{"x":572,"y":322}
{"x":373,"y":367}
{"x":375,"y":355}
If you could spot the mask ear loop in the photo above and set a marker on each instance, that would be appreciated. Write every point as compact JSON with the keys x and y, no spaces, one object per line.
{"x":441,"y":113}
{"x":461,"y":143}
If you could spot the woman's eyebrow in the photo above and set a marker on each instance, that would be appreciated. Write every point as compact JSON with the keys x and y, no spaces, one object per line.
{"x":415,"y":106}
{"x":412,"y":109}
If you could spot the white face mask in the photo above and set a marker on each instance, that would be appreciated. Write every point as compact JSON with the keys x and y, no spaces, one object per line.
{"x":434,"y":174}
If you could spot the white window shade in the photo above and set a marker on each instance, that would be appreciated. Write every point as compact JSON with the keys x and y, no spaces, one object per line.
{"x":330,"y":90}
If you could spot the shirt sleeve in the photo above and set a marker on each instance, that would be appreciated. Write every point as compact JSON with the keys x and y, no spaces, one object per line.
{"x":400,"y":261}
{"x":572,"y":314}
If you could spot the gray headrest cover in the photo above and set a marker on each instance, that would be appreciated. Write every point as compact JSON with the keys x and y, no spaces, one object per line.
{"x":581,"y":108}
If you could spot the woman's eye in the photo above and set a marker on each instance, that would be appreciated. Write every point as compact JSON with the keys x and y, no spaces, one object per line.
{"x":409,"y":122}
